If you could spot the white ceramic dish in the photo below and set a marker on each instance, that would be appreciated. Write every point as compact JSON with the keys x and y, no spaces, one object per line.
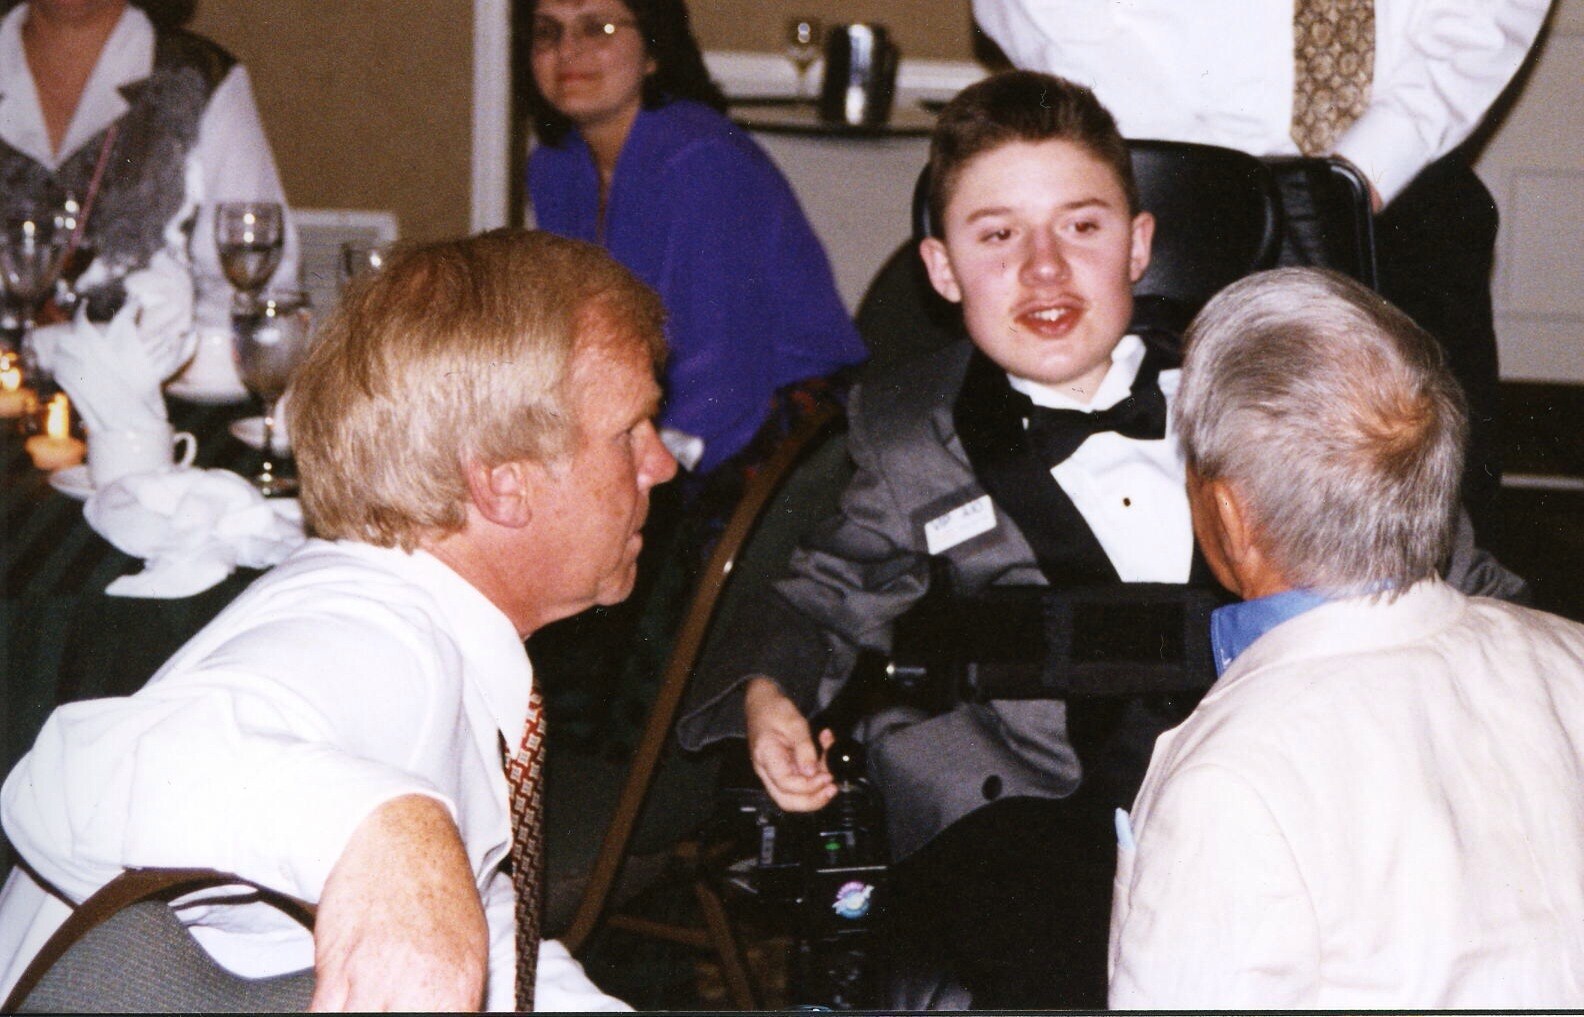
{"x":250,"y":431}
{"x":73,"y":482}
{"x":212,"y":395}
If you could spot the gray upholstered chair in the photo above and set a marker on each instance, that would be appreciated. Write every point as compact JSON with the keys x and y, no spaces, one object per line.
{"x":124,"y":950}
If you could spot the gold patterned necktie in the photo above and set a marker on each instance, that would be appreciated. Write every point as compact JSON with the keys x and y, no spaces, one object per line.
{"x":525,"y":776}
{"x":1333,"y":62}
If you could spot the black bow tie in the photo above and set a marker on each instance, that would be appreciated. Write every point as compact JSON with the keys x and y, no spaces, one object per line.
{"x":1056,"y":434}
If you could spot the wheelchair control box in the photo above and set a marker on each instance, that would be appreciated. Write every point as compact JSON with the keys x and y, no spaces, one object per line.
{"x":825,"y":869}
{"x":823,"y":877}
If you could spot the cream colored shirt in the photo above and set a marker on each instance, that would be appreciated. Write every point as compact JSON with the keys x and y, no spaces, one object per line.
{"x":1378,"y":806}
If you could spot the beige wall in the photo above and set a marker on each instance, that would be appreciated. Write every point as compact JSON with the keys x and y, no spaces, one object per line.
{"x":1534,"y":166}
{"x":932,"y":29}
{"x":366,"y":102}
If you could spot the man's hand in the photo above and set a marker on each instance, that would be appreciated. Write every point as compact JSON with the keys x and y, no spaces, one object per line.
{"x":400,"y":924}
{"x":782,"y":749}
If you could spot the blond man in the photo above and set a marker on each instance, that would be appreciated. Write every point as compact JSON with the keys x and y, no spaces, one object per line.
{"x":476,"y":447}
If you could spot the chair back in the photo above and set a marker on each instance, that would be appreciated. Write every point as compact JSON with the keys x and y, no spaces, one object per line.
{"x":901,"y":315}
{"x":123,"y":949}
{"x":1217,"y":219}
{"x":1329,"y":220}
{"x":320,"y":234}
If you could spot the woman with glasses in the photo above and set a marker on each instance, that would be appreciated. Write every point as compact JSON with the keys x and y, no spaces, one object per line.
{"x":636,"y":155}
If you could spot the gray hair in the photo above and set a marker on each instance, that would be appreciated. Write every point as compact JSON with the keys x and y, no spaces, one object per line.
{"x":1335,"y":418}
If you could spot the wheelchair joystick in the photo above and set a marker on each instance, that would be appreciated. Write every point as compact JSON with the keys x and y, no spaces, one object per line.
{"x":845,"y":758}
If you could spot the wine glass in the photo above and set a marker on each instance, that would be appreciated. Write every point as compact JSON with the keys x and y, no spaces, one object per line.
{"x":272,"y":336}
{"x":31,"y":252}
{"x":802,"y":47}
{"x":250,"y":236}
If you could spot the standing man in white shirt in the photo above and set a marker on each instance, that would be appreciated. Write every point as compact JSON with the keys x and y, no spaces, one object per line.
{"x":1242,"y":73}
{"x":477,"y":450}
{"x":1377,"y":804}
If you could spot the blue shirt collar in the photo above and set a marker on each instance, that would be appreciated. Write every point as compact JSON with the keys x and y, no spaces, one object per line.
{"x":1234,"y":628}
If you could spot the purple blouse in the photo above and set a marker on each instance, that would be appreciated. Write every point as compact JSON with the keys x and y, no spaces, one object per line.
{"x":700,"y":213}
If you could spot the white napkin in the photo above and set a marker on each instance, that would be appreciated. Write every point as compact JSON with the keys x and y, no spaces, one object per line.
{"x":163,"y":296}
{"x":192,"y":528}
{"x":113,"y":374}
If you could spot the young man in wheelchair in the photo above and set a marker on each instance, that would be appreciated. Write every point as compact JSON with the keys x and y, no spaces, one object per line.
{"x":1038,"y":453}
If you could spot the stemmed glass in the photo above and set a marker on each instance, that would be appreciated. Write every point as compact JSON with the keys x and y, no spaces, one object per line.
{"x":250,"y":236}
{"x":31,"y":251}
{"x":802,"y":48}
{"x":272,"y":337}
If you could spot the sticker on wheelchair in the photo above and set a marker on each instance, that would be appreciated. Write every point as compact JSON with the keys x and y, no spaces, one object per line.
{"x":852,"y":899}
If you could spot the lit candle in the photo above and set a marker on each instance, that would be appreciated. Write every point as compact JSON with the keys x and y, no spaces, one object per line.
{"x":56,"y":449}
{"x":14,"y":399}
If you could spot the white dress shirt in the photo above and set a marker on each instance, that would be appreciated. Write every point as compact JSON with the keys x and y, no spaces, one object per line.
{"x":1131,"y":493}
{"x":231,"y":160}
{"x":1220,"y":72}
{"x":344,"y":678}
{"x":1378,"y":806}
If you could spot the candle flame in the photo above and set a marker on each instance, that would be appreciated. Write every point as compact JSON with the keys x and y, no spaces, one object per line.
{"x":10,"y":373}
{"x":57,"y":417}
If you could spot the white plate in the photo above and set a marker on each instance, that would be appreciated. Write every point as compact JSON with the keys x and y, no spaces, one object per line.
{"x":212,"y":395}
{"x":73,"y":482}
{"x":250,"y":431}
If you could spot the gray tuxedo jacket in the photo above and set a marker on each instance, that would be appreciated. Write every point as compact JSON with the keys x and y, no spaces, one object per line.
{"x":862,"y":568}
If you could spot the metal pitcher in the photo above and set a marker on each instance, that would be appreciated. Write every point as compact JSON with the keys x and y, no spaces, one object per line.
{"x":860,"y":75}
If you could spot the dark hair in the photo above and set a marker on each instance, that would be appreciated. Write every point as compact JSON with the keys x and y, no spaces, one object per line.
{"x":668,"y":39}
{"x":165,"y":14}
{"x":1021,"y":106}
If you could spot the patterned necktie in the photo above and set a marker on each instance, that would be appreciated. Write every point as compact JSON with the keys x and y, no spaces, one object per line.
{"x":1333,"y":61}
{"x":1056,"y":434}
{"x":525,"y":776}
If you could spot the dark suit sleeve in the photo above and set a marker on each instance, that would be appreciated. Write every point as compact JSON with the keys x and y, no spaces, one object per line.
{"x":844,"y":586}
{"x":1472,"y":570}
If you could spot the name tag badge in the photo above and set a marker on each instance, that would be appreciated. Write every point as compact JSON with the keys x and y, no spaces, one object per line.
{"x":962,"y":523}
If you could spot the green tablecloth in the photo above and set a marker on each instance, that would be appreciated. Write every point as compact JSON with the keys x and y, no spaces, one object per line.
{"x":61,"y":637}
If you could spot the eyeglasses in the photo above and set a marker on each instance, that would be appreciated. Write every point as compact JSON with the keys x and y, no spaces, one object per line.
{"x":547,"y":33}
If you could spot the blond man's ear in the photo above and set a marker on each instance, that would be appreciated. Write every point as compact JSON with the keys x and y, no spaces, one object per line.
{"x":502,"y":494}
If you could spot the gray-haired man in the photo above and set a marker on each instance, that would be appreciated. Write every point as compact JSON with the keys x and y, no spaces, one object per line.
{"x":1377,"y":804}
